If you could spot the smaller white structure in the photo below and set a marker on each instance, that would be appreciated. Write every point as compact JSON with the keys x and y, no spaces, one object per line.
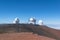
{"x":32,"y":21}
{"x":40,"y":22}
{"x":16,"y":21}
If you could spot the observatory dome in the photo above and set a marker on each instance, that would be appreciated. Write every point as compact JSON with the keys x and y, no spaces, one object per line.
{"x":40,"y":22}
{"x":16,"y":20}
{"x":32,"y":20}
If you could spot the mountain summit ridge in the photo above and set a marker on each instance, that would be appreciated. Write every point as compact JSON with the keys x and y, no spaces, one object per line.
{"x":42,"y":30}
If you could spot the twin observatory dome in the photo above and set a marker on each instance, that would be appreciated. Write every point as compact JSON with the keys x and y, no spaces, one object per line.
{"x":30,"y":21}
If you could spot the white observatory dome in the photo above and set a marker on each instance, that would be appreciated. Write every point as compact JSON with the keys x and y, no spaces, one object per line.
{"x":40,"y":22}
{"x":16,"y":21}
{"x":32,"y":21}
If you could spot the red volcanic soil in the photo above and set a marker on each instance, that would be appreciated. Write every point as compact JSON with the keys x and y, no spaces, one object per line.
{"x":23,"y":36}
{"x":42,"y":32}
{"x":51,"y":30}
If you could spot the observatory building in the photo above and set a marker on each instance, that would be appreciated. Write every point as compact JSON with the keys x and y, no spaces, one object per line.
{"x":40,"y":22}
{"x":32,"y":21}
{"x":16,"y":21}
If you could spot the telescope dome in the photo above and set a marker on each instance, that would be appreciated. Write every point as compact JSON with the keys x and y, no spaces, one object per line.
{"x":16,"y":20}
{"x":32,"y":20}
{"x":40,"y":22}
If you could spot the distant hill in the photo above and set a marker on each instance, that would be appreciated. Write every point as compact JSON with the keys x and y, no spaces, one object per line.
{"x":35,"y":29}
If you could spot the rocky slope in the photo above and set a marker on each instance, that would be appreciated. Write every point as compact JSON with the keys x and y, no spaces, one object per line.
{"x":35,"y":29}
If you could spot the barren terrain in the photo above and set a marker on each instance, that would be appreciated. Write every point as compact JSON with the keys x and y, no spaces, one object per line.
{"x":36,"y":32}
{"x":23,"y":36}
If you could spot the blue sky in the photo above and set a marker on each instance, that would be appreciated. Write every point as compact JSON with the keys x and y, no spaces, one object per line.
{"x":46,"y":10}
